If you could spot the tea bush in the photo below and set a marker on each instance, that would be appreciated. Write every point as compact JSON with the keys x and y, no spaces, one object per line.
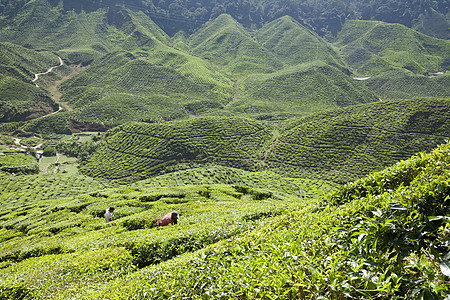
{"x":361,"y":243}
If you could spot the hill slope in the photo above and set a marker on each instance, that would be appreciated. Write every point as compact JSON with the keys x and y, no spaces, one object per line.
{"x":346,"y":144}
{"x":340,"y":145}
{"x":146,"y":149}
{"x":369,"y":241}
{"x":401,"y":85}
{"x":225,"y":42}
{"x":293,"y":44}
{"x":61,"y":248}
{"x":299,"y":91}
{"x":371,"y":48}
{"x":20,"y":99}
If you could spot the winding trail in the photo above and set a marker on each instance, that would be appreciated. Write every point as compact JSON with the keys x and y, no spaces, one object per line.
{"x":36,"y":76}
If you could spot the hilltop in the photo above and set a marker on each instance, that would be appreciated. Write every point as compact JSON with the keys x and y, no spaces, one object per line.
{"x":371,"y":47}
{"x":294,"y":44}
{"x":299,"y":91}
{"x":288,"y":135}
{"x":123,"y":67}
{"x":228,"y":44}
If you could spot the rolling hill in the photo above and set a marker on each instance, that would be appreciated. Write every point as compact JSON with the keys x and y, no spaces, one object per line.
{"x":299,"y":91}
{"x":338,"y":145}
{"x":57,"y":244}
{"x":294,"y":44}
{"x":225,"y":42}
{"x":402,"y":85}
{"x":20,"y":99}
{"x":371,"y":47}
{"x":266,"y":124}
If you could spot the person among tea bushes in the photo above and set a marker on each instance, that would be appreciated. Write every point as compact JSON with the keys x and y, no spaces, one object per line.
{"x":109,"y":214}
{"x":169,"y":218}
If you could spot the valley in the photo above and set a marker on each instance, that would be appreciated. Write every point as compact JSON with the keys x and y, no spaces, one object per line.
{"x":303,"y":144}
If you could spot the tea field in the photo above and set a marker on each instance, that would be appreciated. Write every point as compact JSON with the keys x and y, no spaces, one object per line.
{"x":383,"y":236}
{"x":53,"y":225}
{"x":234,"y":239}
{"x":339,"y":145}
{"x":299,"y":91}
{"x":400,"y":85}
{"x":371,"y":48}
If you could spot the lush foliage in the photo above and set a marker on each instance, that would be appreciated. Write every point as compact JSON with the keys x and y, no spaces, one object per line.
{"x":323,"y":16}
{"x":299,"y":91}
{"x":20,"y":99}
{"x":339,"y":145}
{"x":383,"y":236}
{"x":400,"y":85}
{"x":139,"y":150}
{"x":371,"y":48}
{"x":55,"y":240}
{"x":17,"y":162}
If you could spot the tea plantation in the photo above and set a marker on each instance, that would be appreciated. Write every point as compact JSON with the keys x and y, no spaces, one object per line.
{"x":304,"y":144}
{"x":372,"y":47}
{"x":339,"y":145}
{"x":233,"y":240}
{"x":53,"y":225}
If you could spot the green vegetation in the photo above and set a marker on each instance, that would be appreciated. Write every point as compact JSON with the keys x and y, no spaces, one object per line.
{"x":47,"y":232}
{"x":346,"y":144}
{"x":232,"y":240}
{"x":294,"y":44}
{"x":371,"y":48}
{"x":369,"y":242}
{"x":122,"y":87}
{"x":299,"y":91}
{"x":401,"y":85}
{"x":246,"y":120}
{"x":17,"y":162}
{"x":20,"y":99}
{"x":225,"y":42}
{"x":338,"y":145}
{"x":140,"y":150}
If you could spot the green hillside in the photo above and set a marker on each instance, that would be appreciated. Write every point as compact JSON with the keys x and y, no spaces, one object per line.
{"x":346,"y":144}
{"x":225,"y":42}
{"x":58,"y":223}
{"x":293,"y":44}
{"x":368,"y":243}
{"x":371,"y":48}
{"x":17,"y":162}
{"x":20,"y":99}
{"x":232,"y":241}
{"x":299,"y":91}
{"x":80,"y":37}
{"x":165,"y":85}
{"x":22,"y":63}
{"x":140,"y":150}
{"x":339,"y":145}
{"x":401,"y":85}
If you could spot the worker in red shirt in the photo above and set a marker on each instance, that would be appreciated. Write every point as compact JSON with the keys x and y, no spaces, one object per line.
{"x":169,"y":218}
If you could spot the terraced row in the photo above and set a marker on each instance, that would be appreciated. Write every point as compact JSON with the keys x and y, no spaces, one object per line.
{"x":340,"y":145}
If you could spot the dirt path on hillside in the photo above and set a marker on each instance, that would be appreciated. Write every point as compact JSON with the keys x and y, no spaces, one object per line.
{"x":36,"y":76}
{"x":56,"y":94}
{"x":52,"y":87}
{"x":237,"y":91}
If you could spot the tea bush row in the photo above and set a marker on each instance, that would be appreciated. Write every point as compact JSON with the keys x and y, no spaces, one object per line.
{"x":380,"y":243}
{"x":338,"y":145}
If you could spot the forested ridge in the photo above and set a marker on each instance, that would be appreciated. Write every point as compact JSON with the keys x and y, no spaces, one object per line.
{"x":324,"y":17}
